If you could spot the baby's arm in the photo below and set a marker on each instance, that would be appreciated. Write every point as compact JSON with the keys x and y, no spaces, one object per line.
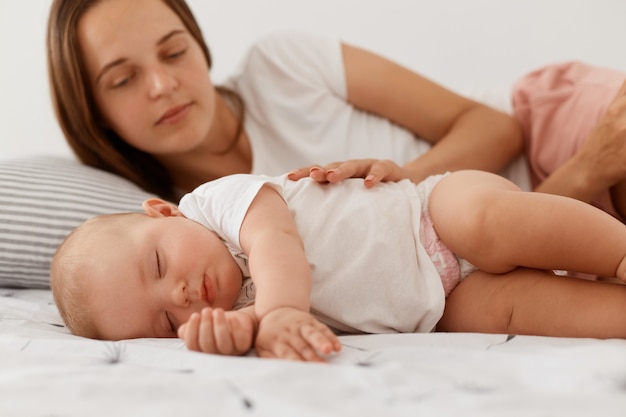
{"x":219,"y":331}
{"x":281,"y":273}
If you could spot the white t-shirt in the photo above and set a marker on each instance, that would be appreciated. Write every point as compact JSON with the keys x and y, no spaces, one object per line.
{"x":294,"y":88}
{"x":370,"y":271}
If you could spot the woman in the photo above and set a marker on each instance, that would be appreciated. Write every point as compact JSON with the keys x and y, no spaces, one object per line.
{"x":135,"y":98}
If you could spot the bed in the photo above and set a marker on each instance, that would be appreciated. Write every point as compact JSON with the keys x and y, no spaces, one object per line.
{"x":44,"y":192}
{"x":47,"y":372}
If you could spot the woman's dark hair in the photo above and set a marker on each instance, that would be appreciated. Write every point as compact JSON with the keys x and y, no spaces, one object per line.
{"x":76,"y":110}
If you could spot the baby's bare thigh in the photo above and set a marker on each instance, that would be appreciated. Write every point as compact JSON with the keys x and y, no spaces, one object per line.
{"x":461,"y":207}
{"x":466,"y":185}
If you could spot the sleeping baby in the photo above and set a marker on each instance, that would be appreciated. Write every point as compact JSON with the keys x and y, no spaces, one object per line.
{"x":282,"y":266}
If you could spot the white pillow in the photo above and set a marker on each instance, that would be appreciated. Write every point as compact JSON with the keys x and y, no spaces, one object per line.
{"x":42,"y":199}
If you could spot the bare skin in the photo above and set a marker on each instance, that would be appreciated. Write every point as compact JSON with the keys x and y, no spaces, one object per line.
{"x":535,"y":302}
{"x":503,"y":298}
{"x":597,"y":166}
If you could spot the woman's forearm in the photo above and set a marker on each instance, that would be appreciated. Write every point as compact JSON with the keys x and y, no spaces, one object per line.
{"x":572,"y":180}
{"x":482,"y":138}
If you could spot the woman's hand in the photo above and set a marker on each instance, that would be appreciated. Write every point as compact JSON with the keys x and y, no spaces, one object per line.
{"x":218,"y":331}
{"x":600,"y":163}
{"x":289,"y":333}
{"x":372,"y":171}
{"x":604,"y":150}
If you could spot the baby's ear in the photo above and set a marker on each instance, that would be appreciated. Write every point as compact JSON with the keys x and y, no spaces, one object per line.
{"x":155,"y":207}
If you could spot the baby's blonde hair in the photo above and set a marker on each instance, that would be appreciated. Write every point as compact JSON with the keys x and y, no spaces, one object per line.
{"x":68,"y":273}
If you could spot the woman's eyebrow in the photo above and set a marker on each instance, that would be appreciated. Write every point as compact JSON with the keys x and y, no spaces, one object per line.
{"x":108,"y":66}
{"x":120,"y":61}
{"x":170,"y":35}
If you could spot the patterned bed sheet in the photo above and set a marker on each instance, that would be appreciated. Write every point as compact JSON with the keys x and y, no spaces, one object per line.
{"x":45,"y":371}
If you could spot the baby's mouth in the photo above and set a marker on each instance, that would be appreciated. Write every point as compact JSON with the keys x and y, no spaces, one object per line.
{"x":207,"y":291}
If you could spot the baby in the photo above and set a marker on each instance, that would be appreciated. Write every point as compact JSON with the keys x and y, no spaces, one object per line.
{"x":254,"y":261}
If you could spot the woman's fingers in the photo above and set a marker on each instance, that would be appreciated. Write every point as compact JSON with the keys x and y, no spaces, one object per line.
{"x":354,"y":168}
{"x":303,"y":172}
{"x":622,"y":90}
{"x":372,"y":171}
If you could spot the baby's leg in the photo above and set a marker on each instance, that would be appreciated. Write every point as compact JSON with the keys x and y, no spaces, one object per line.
{"x":487,"y":220}
{"x":534,"y":302}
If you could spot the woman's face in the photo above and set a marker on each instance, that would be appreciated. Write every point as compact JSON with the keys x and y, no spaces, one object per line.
{"x":149,"y":77}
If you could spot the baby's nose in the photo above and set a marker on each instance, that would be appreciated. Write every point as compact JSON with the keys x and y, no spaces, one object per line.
{"x":180,"y":294}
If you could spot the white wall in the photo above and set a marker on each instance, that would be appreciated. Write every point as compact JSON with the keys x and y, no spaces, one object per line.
{"x":483,"y":44}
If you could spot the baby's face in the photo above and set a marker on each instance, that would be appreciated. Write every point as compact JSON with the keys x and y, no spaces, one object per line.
{"x":148,"y":281}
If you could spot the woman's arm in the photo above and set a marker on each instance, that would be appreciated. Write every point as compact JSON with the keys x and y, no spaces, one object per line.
{"x":464,"y":133}
{"x":282,"y":276}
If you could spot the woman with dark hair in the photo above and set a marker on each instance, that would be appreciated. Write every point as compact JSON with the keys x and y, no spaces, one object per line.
{"x":132,"y":92}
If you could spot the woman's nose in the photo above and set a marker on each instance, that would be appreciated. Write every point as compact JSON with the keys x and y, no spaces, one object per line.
{"x":160,"y":82}
{"x":180,"y":294}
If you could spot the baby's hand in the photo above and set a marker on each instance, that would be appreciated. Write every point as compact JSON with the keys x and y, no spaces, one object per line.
{"x":289,"y":333}
{"x":372,"y":171}
{"x":218,"y":331}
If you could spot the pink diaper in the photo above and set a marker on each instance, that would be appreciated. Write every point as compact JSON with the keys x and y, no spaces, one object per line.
{"x":450,"y":267}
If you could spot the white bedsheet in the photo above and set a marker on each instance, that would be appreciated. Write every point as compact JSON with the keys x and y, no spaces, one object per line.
{"x":44,"y":371}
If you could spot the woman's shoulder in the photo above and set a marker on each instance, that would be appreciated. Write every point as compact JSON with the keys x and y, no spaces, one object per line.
{"x":291,"y":54}
{"x":292,"y":42}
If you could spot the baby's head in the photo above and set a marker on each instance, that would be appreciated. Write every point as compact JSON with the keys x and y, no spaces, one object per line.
{"x":130,"y":275}
{"x":72,"y":271}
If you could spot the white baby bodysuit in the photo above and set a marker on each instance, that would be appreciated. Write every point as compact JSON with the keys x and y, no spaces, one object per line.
{"x":370,"y":271}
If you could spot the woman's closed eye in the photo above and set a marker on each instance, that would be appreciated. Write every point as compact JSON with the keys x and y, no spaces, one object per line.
{"x":176,"y":54}
{"x":122,"y":80}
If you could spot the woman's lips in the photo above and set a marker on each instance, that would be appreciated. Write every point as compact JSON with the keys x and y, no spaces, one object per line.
{"x":174,"y":114}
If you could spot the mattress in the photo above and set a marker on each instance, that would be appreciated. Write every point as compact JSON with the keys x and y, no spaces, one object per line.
{"x":45,"y":371}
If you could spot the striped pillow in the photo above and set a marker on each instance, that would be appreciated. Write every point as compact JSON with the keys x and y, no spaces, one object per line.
{"x":41,"y":200}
